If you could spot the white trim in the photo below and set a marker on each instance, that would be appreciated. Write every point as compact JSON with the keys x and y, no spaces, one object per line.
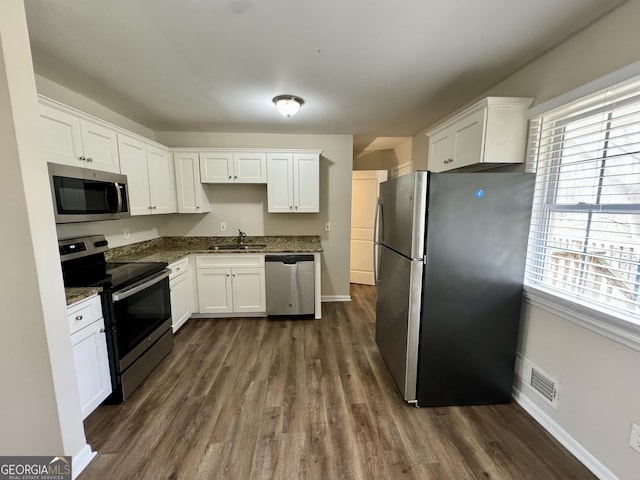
{"x":615,"y":328}
{"x":81,"y":459}
{"x":606,"y":81}
{"x":336,"y":298}
{"x":562,"y":436}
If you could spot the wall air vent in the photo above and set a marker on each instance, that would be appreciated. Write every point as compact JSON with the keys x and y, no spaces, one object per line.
{"x":542,"y":383}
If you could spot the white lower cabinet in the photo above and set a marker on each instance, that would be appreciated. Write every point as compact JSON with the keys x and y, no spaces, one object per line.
{"x":181,"y":292}
{"x":89,"y":353}
{"x":230,"y":284}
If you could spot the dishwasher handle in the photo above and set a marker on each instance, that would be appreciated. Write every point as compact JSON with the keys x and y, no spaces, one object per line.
{"x":288,"y":259}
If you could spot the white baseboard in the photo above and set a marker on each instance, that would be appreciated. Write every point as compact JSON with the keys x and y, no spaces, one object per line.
{"x":81,"y":459}
{"x":560,"y":434}
{"x":336,"y":298}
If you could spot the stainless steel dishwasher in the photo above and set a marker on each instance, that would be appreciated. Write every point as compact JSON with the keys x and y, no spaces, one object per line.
{"x":290,"y":283}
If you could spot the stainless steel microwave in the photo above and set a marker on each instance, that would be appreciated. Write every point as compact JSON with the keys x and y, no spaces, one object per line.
{"x":84,"y":195}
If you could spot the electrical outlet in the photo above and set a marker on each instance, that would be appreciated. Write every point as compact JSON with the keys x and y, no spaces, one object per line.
{"x":634,"y":438}
{"x":126,"y":233}
{"x":327,"y":227}
{"x":223,"y":226}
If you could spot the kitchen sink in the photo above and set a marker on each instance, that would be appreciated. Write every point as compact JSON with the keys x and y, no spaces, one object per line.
{"x":253,"y":246}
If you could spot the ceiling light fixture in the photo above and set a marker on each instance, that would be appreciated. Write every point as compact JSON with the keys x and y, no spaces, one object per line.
{"x":288,"y":105}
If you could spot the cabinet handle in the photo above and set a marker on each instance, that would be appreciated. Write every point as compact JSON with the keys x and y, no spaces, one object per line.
{"x":290,"y":207}
{"x":102,"y":330}
{"x":448,"y":160}
{"x":82,"y":158}
{"x":235,"y":176}
{"x":79,"y":317}
{"x":296,"y":207}
{"x":150,"y":207}
{"x":229,"y":177}
{"x":155,"y":207}
{"x":227,"y":274}
{"x":197,"y":207}
{"x":178,"y":269}
{"x":89,"y":159}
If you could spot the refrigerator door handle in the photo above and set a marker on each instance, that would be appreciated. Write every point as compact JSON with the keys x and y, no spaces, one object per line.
{"x":376,"y":222}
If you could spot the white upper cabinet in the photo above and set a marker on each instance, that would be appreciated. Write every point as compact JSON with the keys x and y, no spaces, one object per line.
{"x":191,"y":195}
{"x":161,"y":182}
{"x":306,"y":182}
{"x":293,"y":182}
{"x":72,"y":140}
{"x":149,"y":175}
{"x":280,"y":182}
{"x":217,"y":166}
{"x":488,"y":134}
{"x":250,"y":167}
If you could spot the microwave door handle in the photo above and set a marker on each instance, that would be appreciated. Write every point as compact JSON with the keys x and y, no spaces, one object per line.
{"x":119,"y":197}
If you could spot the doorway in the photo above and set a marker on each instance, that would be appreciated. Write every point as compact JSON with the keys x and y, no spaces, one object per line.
{"x":365,"y":185}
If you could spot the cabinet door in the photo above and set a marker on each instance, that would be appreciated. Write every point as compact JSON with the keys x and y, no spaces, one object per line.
{"x":180,"y":300}
{"x":250,"y":167}
{"x":248,"y":290}
{"x":306,"y":183}
{"x":161,"y":188}
{"x":280,"y":182}
{"x":133,"y":163}
{"x":441,"y":151}
{"x":92,"y":366}
{"x":216,"y":167}
{"x":214,"y":290}
{"x":469,"y":139}
{"x":189,"y":191}
{"x":100,"y":146}
{"x":61,"y":137}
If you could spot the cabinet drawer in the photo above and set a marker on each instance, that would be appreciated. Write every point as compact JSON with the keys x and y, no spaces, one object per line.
{"x":223,"y":260}
{"x":178,"y":268}
{"x":84,"y":313}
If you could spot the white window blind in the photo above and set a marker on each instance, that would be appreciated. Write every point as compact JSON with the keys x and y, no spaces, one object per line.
{"x":584,"y":243}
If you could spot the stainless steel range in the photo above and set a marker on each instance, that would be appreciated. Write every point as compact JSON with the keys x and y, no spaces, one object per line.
{"x":136,"y":307}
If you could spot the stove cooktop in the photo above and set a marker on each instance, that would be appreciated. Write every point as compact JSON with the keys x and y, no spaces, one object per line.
{"x":84,"y":265}
{"x":116,"y":276}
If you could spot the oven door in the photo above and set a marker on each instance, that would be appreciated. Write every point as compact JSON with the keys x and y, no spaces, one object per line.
{"x":142,"y":314}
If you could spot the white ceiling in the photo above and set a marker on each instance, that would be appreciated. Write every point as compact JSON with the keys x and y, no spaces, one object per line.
{"x":371,"y":68}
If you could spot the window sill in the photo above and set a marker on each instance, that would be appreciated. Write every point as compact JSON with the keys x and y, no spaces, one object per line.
{"x":616,"y":328}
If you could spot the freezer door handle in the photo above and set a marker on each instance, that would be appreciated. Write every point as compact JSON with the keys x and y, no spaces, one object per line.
{"x":376,"y":221}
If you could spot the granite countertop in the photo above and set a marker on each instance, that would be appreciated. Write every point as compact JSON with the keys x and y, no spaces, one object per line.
{"x":77,"y":294}
{"x":171,"y":249}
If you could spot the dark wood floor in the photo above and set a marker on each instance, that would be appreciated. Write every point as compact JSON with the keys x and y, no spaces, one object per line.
{"x":306,"y":399}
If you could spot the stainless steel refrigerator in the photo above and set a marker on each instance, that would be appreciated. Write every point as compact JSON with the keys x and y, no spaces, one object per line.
{"x":450,"y":254}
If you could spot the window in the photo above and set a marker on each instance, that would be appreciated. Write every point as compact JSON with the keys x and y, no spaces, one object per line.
{"x":584,"y":244}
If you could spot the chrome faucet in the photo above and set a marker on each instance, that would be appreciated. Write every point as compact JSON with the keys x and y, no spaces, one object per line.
{"x":241,"y":237}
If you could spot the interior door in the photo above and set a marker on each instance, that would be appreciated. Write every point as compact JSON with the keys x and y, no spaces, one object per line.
{"x":365,"y":185}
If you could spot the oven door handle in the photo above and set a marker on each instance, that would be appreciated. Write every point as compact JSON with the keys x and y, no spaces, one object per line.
{"x":127,"y":292}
